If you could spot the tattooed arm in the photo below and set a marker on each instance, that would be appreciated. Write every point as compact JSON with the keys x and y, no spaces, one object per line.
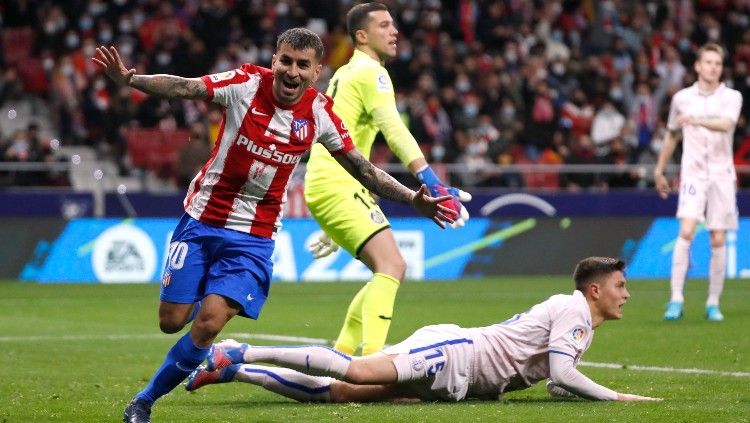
{"x":168,"y":86}
{"x":386,"y":186}
{"x":373,"y":178}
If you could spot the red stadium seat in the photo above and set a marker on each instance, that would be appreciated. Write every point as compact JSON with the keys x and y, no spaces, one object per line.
{"x":166,"y":153}
{"x":156,"y":150}
{"x":32,"y":75}
{"x":18,"y":44}
{"x":140,"y":144}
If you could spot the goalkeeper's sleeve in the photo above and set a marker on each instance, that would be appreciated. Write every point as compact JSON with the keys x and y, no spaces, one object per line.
{"x":396,"y":134}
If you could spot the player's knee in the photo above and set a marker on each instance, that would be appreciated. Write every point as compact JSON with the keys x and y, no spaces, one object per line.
{"x":357,"y":374}
{"x":400,"y":268}
{"x":169,"y":325}
{"x":205,"y":329}
{"x":340,"y":391}
{"x":718,"y":239}
{"x":395,"y":266}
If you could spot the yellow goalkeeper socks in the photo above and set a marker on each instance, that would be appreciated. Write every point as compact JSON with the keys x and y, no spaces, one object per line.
{"x":377,"y":309}
{"x":351,"y":333}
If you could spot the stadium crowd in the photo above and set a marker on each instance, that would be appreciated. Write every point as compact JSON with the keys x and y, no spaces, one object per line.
{"x":480,"y":83}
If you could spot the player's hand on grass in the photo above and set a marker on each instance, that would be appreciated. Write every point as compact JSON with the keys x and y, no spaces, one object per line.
{"x":662,"y":185}
{"x":634,"y":397}
{"x":433,"y":207}
{"x":109,"y":59}
{"x":322,"y":246}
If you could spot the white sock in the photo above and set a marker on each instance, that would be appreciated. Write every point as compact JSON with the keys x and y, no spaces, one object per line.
{"x":287,"y":382}
{"x":680,"y":261}
{"x":315,"y":360}
{"x":717,"y":270}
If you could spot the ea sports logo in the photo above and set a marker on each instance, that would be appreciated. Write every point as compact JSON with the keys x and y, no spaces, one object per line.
{"x":124,"y":253}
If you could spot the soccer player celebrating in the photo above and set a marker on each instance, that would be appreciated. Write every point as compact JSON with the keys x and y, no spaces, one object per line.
{"x":704,"y":115}
{"x":365,"y":101}
{"x":219,"y":262}
{"x":447,"y":362}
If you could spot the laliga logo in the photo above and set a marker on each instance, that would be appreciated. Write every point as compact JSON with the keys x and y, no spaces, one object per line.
{"x":518,"y":198}
{"x":123,"y":253}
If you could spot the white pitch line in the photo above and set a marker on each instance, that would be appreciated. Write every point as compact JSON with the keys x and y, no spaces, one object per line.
{"x":261,"y":336}
{"x":307,"y":340}
{"x":664,"y":369}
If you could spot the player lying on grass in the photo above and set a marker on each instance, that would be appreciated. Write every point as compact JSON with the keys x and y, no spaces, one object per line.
{"x":446,"y":362}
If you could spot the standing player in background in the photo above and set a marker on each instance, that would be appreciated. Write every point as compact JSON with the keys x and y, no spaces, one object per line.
{"x":447,"y":362}
{"x":219,"y":262}
{"x":346,"y":212}
{"x":704,"y":115}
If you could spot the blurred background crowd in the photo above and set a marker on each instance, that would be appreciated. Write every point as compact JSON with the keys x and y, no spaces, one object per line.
{"x":483,"y":85}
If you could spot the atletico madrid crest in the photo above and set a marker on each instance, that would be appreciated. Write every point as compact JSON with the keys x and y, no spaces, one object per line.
{"x":166,"y":279}
{"x":300,"y":128}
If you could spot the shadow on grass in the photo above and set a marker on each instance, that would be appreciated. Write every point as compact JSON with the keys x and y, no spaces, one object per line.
{"x":283,"y":403}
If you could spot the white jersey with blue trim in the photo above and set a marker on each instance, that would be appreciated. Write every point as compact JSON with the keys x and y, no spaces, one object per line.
{"x":514,"y":354}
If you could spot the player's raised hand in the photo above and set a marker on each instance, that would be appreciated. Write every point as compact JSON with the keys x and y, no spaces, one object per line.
{"x":437,"y":188}
{"x":634,"y":397}
{"x":322,"y":246}
{"x":109,"y":59}
{"x":662,"y":185}
{"x":433,"y":207}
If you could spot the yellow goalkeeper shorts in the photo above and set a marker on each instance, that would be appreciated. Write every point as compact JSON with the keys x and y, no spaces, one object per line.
{"x":348,"y":214}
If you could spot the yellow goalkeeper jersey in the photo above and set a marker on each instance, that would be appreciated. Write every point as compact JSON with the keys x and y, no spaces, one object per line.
{"x":364,"y":99}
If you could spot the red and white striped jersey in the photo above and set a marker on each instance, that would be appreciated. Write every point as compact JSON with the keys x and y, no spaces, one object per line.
{"x":243,"y":186}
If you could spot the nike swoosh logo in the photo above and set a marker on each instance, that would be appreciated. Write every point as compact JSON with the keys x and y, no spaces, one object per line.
{"x":255,"y":111}
{"x":385,"y":317}
{"x":181,"y":367}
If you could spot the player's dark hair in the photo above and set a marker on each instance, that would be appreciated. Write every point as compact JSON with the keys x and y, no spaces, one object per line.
{"x":710,"y":47}
{"x":359,"y":16}
{"x":590,"y":269}
{"x":301,"y":39}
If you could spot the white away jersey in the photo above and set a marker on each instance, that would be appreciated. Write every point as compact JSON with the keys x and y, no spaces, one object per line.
{"x":513,"y":354}
{"x":706,"y":154}
{"x":243,"y":185}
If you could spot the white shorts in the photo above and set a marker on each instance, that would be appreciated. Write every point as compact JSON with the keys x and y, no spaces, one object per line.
{"x":708,"y":201}
{"x":435,"y":362}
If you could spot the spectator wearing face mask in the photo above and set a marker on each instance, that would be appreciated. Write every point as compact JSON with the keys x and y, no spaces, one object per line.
{"x":561,"y":80}
{"x":436,"y":122}
{"x":541,"y":117}
{"x":577,"y":113}
{"x":607,"y":125}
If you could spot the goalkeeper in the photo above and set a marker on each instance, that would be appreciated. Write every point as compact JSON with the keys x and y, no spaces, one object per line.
{"x":364,"y":99}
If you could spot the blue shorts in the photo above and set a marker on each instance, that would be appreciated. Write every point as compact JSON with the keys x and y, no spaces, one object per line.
{"x":205,"y":260}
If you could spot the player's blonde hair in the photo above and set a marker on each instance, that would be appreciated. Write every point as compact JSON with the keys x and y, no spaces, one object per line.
{"x":710,"y":47}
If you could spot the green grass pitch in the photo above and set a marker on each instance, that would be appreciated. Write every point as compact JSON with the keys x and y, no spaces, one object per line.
{"x":78,"y":353}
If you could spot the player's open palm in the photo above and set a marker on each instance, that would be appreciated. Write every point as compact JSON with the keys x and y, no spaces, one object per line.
{"x":109,"y":59}
{"x":433,"y":207}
